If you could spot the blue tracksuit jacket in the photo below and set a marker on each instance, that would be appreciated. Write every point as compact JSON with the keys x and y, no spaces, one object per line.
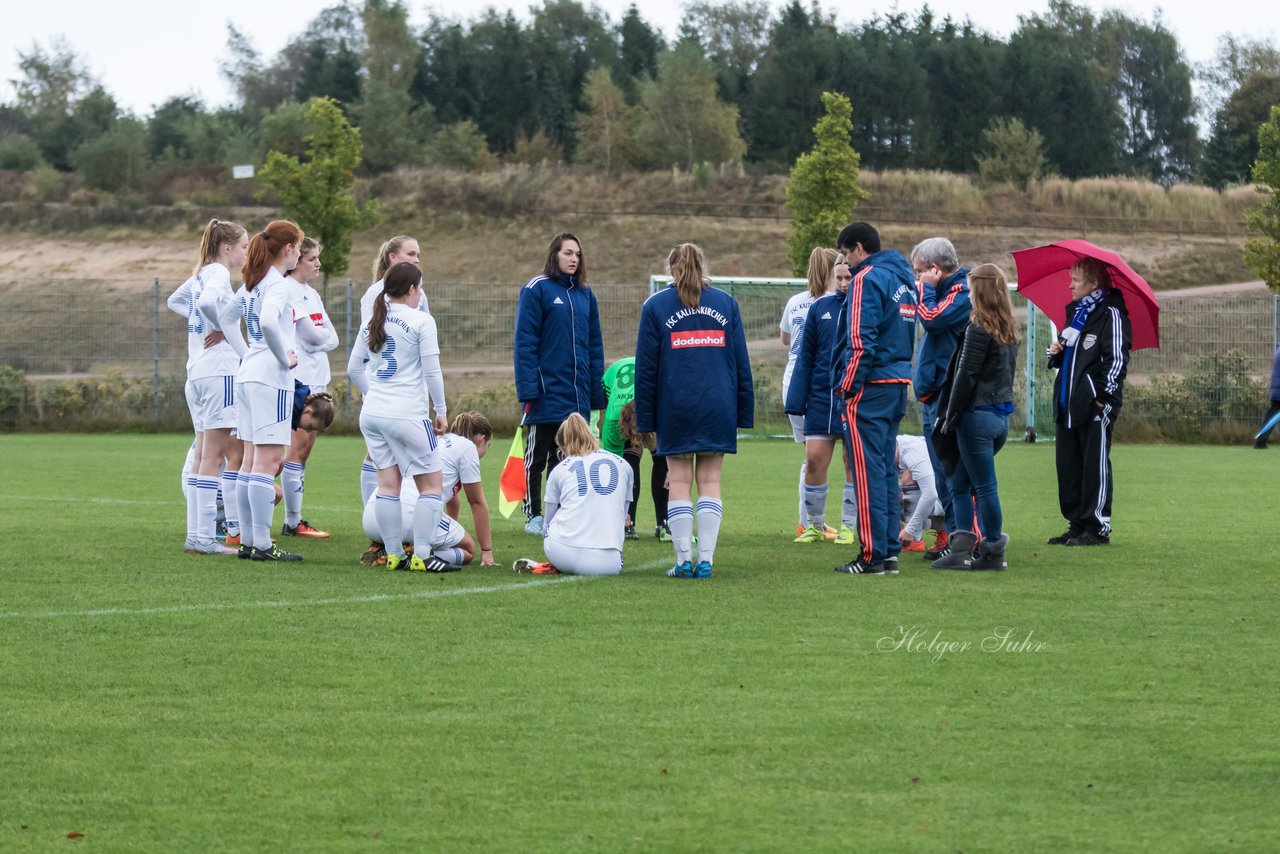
{"x":811,"y":393}
{"x":559,"y":351}
{"x":943,"y":314}
{"x":878,"y":331}
{"x":693,"y":375}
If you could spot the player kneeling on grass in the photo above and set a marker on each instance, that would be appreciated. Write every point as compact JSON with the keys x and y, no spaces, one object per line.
{"x":919,"y":489}
{"x":585,"y":507}
{"x":451,"y":545}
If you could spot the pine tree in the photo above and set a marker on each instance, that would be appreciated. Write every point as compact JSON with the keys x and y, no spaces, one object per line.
{"x":824,"y":184}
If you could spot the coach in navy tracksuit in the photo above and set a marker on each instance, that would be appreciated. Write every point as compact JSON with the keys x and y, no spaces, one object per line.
{"x":874,"y":365}
{"x":559,"y":360}
{"x":1092,"y":355}
{"x":943,"y":315}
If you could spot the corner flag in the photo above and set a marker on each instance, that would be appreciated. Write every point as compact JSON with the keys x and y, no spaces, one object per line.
{"x":512,"y":485}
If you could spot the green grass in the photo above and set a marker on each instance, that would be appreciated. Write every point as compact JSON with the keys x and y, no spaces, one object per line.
{"x":156,"y":701}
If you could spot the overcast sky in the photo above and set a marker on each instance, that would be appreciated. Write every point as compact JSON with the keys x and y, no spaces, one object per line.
{"x":145,"y":51}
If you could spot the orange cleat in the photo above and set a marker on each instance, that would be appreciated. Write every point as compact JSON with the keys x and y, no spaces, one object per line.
{"x":233,"y":540}
{"x":914,"y":546}
{"x":303,"y":529}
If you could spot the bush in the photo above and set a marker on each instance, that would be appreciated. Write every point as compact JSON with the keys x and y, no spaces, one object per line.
{"x":461,"y":145}
{"x":13,"y":396}
{"x":20,"y":152}
{"x":47,"y":184}
{"x":117,"y":160}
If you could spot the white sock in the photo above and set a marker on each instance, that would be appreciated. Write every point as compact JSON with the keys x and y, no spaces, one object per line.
{"x":206,"y":508}
{"x":680,"y":521}
{"x":849,"y":509}
{"x":244,"y":507}
{"x":450,"y":555}
{"x":231,"y":501}
{"x":386,"y":511}
{"x":815,"y":505}
{"x":804,"y":467}
{"x":193,"y":507}
{"x":291,"y":483}
{"x":262,"y":499}
{"x":368,"y":481}
{"x":710,"y":511}
{"x":426,"y":518}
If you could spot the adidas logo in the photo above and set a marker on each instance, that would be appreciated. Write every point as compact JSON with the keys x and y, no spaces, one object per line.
{"x":558,"y":301}
{"x":826,"y":315}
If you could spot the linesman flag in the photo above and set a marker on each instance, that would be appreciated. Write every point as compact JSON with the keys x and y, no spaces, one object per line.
{"x":512,"y":485}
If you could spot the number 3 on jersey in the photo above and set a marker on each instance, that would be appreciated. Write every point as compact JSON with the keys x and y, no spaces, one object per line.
{"x":388,"y":360}
{"x":593,"y":475}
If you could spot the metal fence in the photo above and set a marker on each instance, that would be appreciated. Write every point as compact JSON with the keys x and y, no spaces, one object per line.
{"x":111,"y":355}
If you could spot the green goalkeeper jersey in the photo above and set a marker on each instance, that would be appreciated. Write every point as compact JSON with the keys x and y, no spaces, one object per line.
{"x":619,"y":390}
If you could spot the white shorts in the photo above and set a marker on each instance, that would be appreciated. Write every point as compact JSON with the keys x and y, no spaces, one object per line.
{"x":797,"y":427}
{"x":212,"y":403}
{"x":824,"y":437}
{"x":448,"y":534}
{"x":266,"y":413}
{"x":405,"y":442}
{"x":573,"y":560}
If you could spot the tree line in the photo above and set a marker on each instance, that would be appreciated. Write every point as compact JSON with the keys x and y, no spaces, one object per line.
{"x":1078,"y":93}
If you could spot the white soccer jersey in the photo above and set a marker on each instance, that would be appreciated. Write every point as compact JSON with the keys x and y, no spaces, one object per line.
{"x":461,"y":463}
{"x":315,"y":333}
{"x":205,"y":293}
{"x":797,"y":309}
{"x":913,"y":455}
{"x":592,"y":494}
{"x":268,"y":318}
{"x":395,"y":375}
{"x":366,"y":302}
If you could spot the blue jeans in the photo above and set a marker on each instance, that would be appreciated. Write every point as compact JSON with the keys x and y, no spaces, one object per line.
{"x":929,"y":413}
{"x":980,"y":435}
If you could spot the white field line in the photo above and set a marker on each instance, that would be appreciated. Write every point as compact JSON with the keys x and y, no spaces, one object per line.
{"x":303,"y":603}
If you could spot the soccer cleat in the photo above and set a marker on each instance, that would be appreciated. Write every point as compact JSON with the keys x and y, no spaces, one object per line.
{"x":845,"y":536}
{"x":534,"y":526}
{"x":891,"y":566}
{"x":189,"y":545}
{"x":799,"y":529}
{"x":544,"y":569}
{"x":375,"y":555}
{"x":432,"y":564}
{"x":683,"y":569}
{"x":244,"y":551}
{"x":273,"y":554}
{"x":809,"y":535}
{"x":630,"y":533}
{"x":858,"y":567}
{"x":662,"y":533}
{"x":211,"y":547}
{"x":303,"y":529}
{"x":1061,"y":539}
{"x":941,"y":547}
{"x":829,"y":533}
{"x":533,"y":567}
{"x":1089,"y":538}
{"x":397,"y":563}
{"x":914,"y":546}
{"x":233,"y":539}
{"x":702,"y":570}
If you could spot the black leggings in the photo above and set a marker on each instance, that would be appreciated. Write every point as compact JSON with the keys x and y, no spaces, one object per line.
{"x":657,"y":484}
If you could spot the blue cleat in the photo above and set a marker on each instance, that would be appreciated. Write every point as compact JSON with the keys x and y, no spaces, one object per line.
{"x":702,"y":570}
{"x":681,"y":570}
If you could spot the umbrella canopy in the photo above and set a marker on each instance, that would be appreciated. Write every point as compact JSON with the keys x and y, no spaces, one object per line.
{"x":1044,"y":278}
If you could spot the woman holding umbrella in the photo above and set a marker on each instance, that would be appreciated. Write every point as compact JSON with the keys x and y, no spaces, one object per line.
{"x":1092,"y":357}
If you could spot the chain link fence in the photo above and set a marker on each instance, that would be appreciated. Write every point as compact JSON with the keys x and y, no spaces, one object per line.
{"x":107,"y":357}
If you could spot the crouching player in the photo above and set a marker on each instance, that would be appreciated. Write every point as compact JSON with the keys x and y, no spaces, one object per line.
{"x":586,"y":507}
{"x":921,"y":504}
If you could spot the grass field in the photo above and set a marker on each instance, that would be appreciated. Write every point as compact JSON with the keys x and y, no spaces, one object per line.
{"x":154,"y":701}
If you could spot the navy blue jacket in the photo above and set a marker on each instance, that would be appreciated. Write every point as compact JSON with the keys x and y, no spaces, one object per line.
{"x":944,"y":315}
{"x":878,"y":333}
{"x":559,"y":351}
{"x":693,"y":375}
{"x":810,"y":393}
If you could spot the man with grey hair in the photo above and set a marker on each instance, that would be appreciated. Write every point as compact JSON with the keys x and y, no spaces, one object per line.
{"x":944,"y":314}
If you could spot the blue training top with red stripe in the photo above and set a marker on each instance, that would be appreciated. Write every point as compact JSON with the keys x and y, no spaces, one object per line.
{"x":879,"y":328}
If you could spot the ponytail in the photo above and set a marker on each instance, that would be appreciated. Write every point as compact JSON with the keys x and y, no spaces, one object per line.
{"x":401,"y":278}
{"x":383,"y":261}
{"x":574,"y":438}
{"x":265,"y":247}
{"x":821,"y":262}
{"x":216,"y":233}
{"x":687,"y":266}
{"x":471,"y":424}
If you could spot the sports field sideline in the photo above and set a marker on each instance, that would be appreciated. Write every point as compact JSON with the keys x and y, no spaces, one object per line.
{"x":1119,"y":697}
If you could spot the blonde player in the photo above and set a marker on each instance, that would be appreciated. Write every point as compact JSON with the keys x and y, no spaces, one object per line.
{"x":792,"y":325}
{"x":212,"y":361}
{"x":316,"y":338}
{"x":586,"y":507}
{"x":264,"y":383}
{"x":396,"y":365}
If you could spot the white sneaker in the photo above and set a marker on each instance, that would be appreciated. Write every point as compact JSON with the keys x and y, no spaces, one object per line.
{"x":209,"y":547}
{"x":534,"y":526}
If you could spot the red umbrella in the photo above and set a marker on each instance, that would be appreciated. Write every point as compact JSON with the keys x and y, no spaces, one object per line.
{"x":1044,"y":278}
